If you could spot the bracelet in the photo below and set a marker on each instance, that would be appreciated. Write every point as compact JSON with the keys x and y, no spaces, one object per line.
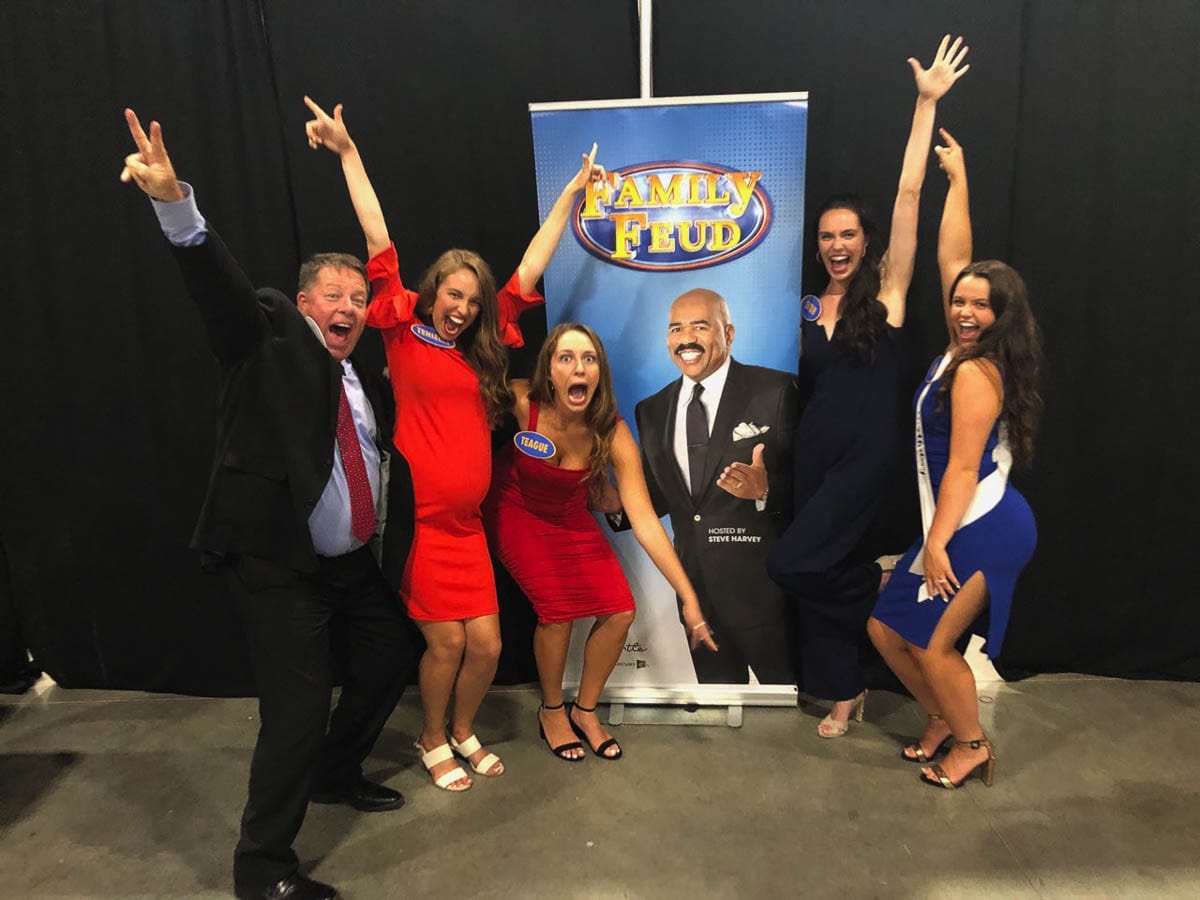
{"x":698,"y":627}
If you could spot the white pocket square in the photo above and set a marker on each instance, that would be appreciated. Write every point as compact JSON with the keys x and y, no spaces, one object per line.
{"x":748,"y":430}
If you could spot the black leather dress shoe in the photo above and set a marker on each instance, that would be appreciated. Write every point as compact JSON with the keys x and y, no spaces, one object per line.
{"x":363,"y":795}
{"x":294,"y":887}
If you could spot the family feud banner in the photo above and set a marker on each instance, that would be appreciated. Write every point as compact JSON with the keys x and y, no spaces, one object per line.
{"x":701,"y":193}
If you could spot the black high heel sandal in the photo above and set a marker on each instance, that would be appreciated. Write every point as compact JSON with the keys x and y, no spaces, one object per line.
{"x":919,"y":754}
{"x":599,"y":751}
{"x":561,"y":748}
{"x":986,"y":770}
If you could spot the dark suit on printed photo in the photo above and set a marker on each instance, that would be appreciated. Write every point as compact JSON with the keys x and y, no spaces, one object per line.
{"x":722,"y":540}
{"x":304,"y":613}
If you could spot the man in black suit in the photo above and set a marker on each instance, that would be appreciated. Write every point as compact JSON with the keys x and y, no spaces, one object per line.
{"x":706,"y":439}
{"x":293,"y":500}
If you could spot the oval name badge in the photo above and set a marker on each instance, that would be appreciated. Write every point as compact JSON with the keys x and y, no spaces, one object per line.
{"x":533,"y":444}
{"x":430,"y":336}
{"x":810,"y":308}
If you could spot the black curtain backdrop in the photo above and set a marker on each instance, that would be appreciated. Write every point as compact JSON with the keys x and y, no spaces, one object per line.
{"x":1080,"y":131}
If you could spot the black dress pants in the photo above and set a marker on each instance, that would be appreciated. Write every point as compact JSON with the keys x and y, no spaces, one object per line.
{"x":832,"y":608}
{"x":298,"y":625}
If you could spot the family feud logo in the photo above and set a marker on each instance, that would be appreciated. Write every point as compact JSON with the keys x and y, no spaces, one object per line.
{"x":667,"y":216}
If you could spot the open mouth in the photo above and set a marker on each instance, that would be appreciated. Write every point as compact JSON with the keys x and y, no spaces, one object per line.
{"x":839,"y":263}
{"x":689,"y":353}
{"x":339,"y":330}
{"x":577,"y":394}
{"x":452,"y":326}
{"x":968,"y":330}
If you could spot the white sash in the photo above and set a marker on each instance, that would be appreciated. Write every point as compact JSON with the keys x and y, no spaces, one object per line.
{"x":987,"y":492}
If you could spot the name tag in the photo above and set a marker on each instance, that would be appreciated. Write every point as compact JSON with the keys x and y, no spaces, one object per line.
{"x":430,"y":336}
{"x":533,"y":444}
{"x":810,"y":308}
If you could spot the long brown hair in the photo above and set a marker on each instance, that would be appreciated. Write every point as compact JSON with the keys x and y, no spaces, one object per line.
{"x":480,"y":344}
{"x":1014,"y":343}
{"x":601,"y":413}
{"x":862,"y":317}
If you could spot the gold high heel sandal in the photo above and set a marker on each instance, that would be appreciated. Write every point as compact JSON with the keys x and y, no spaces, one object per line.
{"x":986,"y":770}
{"x":830,"y":727}
{"x":918,"y":754}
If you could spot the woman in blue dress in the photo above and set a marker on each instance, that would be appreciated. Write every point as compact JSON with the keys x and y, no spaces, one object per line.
{"x":847,"y":440}
{"x":975,"y":417}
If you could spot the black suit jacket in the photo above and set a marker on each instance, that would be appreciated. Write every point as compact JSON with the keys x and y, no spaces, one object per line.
{"x":722,"y":540}
{"x":276,"y":434}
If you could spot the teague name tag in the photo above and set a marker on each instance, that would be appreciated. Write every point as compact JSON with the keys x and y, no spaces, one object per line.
{"x":810,"y":308}
{"x":533,"y":444}
{"x":430,"y":336}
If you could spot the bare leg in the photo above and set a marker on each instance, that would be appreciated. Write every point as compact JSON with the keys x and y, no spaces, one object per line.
{"x":474,"y":678}
{"x":605,"y":643}
{"x":898,"y":654}
{"x":951,"y":680}
{"x":445,"y":643}
{"x":551,"y":641}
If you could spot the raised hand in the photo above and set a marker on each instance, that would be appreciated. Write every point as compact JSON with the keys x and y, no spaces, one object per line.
{"x":545,"y":240}
{"x":950,"y":157}
{"x":588,"y":172}
{"x":324,"y":131}
{"x":150,"y":168}
{"x":749,"y":482}
{"x":946,"y":68}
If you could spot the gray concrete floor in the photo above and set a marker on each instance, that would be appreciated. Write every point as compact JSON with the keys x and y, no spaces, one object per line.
{"x":106,"y":794}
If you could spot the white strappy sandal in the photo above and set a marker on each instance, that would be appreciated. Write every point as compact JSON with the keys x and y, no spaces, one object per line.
{"x":471,"y":745}
{"x":440,"y":754}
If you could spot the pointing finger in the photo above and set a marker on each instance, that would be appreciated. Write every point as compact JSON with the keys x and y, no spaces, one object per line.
{"x":316,"y":110}
{"x":156,"y":141}
{"x":135,"y":129}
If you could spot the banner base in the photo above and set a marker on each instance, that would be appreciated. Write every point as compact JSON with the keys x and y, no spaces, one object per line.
{"x":699,"y":694}
{"x":730,"y":716}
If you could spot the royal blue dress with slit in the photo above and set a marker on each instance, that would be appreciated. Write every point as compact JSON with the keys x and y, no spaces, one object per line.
{"x":997,"y":539}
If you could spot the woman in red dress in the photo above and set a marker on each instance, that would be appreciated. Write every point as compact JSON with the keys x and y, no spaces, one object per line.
{"x":447,"y":358}
{"x":540,"y":526}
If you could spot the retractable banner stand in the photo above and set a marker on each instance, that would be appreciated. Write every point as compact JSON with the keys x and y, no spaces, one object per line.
{"x":703,"y":192}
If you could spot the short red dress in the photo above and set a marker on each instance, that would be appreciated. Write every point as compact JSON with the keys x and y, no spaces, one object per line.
{"x":442,"y":431}
{"x":541,"y":529}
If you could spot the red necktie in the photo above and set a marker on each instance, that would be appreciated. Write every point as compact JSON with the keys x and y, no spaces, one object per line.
{"x":362,"y":506}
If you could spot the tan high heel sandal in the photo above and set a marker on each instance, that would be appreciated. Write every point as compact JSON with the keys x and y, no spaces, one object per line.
{"x":918,"y":753}
{"x":986,"y":770}
{"x":830,"y":727}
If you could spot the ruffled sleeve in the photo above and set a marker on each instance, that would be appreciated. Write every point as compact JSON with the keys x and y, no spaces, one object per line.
{"x":511,"y":304}
{"x":392,"y":303}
